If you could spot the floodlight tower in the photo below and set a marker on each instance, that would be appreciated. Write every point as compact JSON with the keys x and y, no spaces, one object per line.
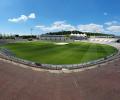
{"x":31,"y":30}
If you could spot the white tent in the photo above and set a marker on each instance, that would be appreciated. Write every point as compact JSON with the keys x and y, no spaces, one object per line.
{"x":72,"y":34}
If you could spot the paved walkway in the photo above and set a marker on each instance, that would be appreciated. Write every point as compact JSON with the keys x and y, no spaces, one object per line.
{"x":102,"y":83}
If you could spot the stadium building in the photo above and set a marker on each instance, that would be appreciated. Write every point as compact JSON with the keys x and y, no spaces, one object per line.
{"x":53,"y":37}
{"x":63,"y":37}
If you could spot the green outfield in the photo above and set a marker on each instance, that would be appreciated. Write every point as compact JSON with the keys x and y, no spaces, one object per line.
{"x":50,"y":53}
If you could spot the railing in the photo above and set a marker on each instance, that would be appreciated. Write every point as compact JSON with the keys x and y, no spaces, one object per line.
{"x":8,"y":55}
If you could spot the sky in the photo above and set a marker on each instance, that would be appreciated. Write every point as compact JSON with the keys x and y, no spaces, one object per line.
{"x":20,"y":16}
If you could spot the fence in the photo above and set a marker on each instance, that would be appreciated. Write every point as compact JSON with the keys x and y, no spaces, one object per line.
{"x":7,"y":54}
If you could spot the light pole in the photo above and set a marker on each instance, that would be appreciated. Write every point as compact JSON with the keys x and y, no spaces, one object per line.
{"x":31,"y":29}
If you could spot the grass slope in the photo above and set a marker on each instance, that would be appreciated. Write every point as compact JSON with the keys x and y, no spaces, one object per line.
{"x":50,"y":53}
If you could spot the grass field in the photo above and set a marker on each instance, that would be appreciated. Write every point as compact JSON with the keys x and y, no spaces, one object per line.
{"x":49,"y":53}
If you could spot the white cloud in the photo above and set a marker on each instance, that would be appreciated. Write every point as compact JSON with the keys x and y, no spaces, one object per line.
{"x":111,"y":23}
{"x":32,"y":16}
{"x":105,"y":13}
{"x":22,"y":18}
{"x":57,"y":26}
{"x":59,"y":22}
{"x":114,"y":29}
{"x":62,"y":25}
{"x":40,"y":26}
{"x":91,"y":28}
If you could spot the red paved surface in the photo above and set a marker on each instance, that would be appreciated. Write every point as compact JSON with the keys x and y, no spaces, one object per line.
{"x":101,"y":83}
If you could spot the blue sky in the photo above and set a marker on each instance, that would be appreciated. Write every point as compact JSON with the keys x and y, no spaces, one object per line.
{"x":18,"y":16}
